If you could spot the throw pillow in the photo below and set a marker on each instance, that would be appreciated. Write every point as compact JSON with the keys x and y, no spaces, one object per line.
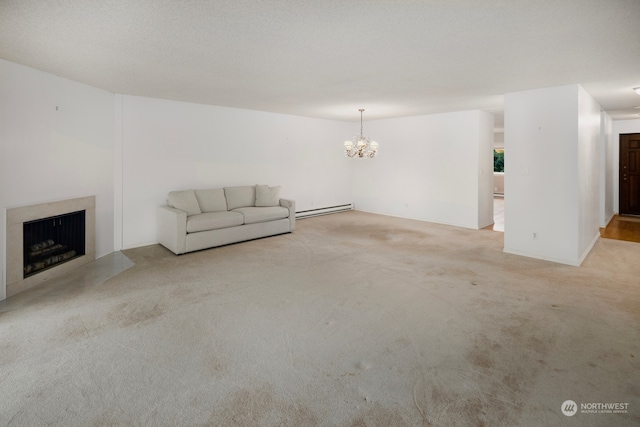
{"x":185,"y":200}
{"x":267,"y":196}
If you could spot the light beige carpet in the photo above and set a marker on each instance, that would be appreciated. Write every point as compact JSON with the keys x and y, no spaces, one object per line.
{"x":355,"y":319}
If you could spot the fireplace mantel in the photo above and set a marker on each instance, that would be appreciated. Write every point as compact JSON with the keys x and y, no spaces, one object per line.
{"x":16,"y":217}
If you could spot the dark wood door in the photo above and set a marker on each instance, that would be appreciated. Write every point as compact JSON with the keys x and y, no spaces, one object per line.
{"x":630,"y":174}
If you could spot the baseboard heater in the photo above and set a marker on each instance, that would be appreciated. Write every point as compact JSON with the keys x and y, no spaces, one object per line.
{"x":324,"y":211}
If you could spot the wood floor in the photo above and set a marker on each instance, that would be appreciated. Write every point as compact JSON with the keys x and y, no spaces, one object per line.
{"x":622,"y":228}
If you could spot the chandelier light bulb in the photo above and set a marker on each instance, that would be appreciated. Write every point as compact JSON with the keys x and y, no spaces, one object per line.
{"x":348,"y":144}
{"x":374,"y":145}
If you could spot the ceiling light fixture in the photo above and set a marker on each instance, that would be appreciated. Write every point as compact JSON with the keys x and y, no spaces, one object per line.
{"x":637,"y":90}
{"x":364,"y":148}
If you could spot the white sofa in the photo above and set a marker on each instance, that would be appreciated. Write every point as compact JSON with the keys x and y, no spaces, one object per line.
{"x":199,"y":219}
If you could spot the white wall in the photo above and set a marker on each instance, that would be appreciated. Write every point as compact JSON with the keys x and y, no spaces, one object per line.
{"x":498,"y":139}
{"x":498,"y":183}
{"x":620,"y":127}
{"x":552,"y":161}
{"x":606,"y":210}
{"x":589,"y":122}
{"x":167,"y":145}
{"x":436,"y":168}
{"x":485,"y":169}
{"x":48,"y":154}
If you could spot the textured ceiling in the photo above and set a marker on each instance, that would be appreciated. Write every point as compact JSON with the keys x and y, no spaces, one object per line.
{"x":328,"y":58}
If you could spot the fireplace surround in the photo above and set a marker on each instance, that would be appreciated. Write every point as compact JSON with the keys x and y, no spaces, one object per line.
{"x":75,"y":253}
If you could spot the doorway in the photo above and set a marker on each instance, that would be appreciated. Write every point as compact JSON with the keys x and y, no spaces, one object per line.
{"x":629,"y":177}
{"x":498,"y":189}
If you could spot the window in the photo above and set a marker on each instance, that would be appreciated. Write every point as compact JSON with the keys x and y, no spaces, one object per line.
{"x":498,"y":160}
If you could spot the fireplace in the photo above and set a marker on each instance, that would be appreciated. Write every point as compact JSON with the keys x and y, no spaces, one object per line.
{"x":47,"y":240}
{"x":51,"y":241}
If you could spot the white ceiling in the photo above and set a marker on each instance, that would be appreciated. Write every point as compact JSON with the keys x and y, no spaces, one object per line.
{"x":328,"y":58}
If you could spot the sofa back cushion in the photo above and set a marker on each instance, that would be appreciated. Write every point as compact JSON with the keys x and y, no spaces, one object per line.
{"x":267,"y":196}
{"x":211,"y":200}
{"x":240,"y":197}
{"x":184,"y":200}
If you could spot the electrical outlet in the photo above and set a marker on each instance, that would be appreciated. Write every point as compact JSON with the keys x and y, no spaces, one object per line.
{"x":534,"y":236}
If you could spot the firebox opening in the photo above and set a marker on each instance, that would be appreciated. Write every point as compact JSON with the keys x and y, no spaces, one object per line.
{"x":52,"y":241}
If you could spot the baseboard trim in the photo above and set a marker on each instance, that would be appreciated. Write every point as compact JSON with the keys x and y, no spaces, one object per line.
{"x":420,"y":219}
{"x":139,"y":245}
{"x":589,"y":248}
{"x":324,"y":211}
{"x":540,"y":257}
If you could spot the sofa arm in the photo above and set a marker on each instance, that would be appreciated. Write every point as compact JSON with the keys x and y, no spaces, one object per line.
{"x":172,"y":229}
{"x":291,"y":205}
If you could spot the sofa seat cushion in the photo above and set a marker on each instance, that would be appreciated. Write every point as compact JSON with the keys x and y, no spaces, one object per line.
{"x":213,"y":220}
{"x":253,"y":215}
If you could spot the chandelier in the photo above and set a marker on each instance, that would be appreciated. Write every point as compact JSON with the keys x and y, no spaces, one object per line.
{"x":360,"y":146}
